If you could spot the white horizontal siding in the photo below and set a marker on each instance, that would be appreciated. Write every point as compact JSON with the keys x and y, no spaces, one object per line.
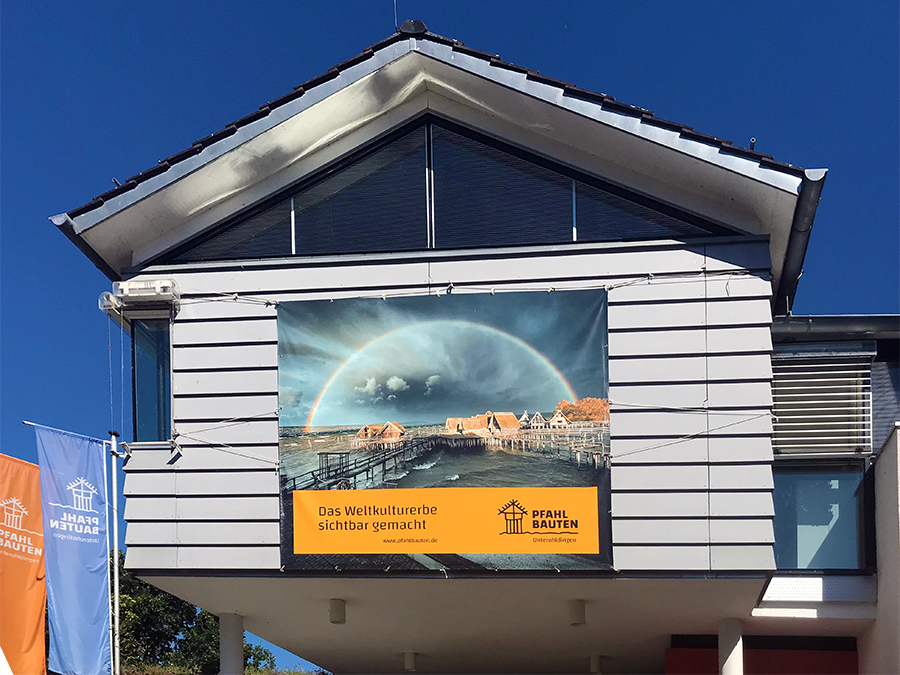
{"x":660,"y":504}
{"x":204,"y":458}
{"x":690,"y":341}
{"x":203,"y":557}
{"x":662,"y":558}
{"x":162,"y":533}
{"x":699,"y":368}
{"x":741,"y":557}
{"x":662,"y":478}
{"x":201,"y":508}
{"x":225,"y":407}
{"x":193,"y":483}
{"x":236,"y":356}
{"x":693,"y":395}
{"x":225,"y":382}
{"x":689,"y":329}
{"x":676,"y":423}
{"x":252,"y":431}
{"x":688,"y":531}
{"x":725,"y":531}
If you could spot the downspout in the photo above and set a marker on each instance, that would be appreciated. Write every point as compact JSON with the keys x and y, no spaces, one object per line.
{"x":801,"y":227}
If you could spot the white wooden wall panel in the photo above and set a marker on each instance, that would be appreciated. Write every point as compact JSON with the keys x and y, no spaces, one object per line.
{"x":690,"y":395}
{"x":661,"y":558}
{"x":742,"y":557}
{"x":204,"y":458}
{"x":724,"y":531}
{"x":252,"y":431}
{"x":695,"y":333}
{"x":190,"y":533}
{"x":201,"y":508}
{"x":224,"y":382}
{"x":689,"y":369}
{"x":662,"y":478}
{"x":225,"y":407}
{"x":687,"y":531}
{"x":741,"y":504}
{"x":215,"y":332}
{"x":193,"y":483}
{"x":232,"y":356}
{"x":626,"y":451}
{"x":660,"y":504}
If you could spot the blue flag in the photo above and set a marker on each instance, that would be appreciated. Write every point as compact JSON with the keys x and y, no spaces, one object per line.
{"x":76,"y":557}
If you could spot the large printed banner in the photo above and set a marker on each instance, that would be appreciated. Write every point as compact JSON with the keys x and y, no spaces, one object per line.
{"x":22,"y":592}
{"x":457,"y":432}
{"x":76,"y":557}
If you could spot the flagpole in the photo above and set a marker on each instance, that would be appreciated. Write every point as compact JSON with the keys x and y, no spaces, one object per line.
{"x":116,"y":562}
{"x":114,"y":452}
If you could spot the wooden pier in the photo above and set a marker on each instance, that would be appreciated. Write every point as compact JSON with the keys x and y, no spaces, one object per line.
{"x":381,"y":460}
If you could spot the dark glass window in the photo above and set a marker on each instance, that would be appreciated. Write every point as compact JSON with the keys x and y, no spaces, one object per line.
{"x":151,"y":374}
{"x":375,"y":204}
{"x":487,"y":197}
{"x":603,"y":216}
{"x":470,"y":194}
{"x":266,"y":235}
{"x":819,"y":517}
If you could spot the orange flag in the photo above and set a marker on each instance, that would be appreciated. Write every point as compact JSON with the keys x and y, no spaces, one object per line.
{"x":23,"y":594}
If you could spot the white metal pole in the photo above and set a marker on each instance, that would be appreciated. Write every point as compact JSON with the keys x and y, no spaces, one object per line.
{"x":109,"y":571}
{"x":114,"y":452}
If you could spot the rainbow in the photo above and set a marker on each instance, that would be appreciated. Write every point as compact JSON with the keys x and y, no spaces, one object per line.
{"x":449,"y":323}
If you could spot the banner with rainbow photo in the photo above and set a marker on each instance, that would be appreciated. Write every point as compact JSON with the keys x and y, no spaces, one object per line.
{"x":454,"y":432}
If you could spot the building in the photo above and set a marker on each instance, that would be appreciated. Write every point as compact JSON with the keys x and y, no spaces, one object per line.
{"x":753,"y":465}
{"x":389,"y":431}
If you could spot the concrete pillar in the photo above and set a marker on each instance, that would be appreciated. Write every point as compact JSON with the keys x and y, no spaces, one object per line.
{"x":731,"y":647}
{"x":231,"y":644}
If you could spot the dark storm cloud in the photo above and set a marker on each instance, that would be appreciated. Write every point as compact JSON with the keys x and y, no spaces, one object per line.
{"x":434,"y":375}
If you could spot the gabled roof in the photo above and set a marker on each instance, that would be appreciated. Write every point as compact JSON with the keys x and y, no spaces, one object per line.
{"x":415,"y":71}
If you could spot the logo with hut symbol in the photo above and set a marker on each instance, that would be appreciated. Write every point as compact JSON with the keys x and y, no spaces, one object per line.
{"x":513,"y":514}
{"x":82,"y":495}
{"x":13,"y":510}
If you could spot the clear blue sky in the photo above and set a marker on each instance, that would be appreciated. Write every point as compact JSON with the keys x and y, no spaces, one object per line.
{"x":92,"y":91}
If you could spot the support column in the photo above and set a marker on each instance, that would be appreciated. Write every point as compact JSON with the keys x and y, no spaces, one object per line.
{"x":731,"y":647}
{"x":231,"y":644}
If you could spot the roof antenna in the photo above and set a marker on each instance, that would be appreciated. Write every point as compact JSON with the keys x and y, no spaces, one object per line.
{"x":118,"y":184}
{"x":752,"y":143}
{"x":396,"y":25}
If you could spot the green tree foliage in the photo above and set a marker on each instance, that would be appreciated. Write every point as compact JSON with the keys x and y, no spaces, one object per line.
{"x":158,"y":629}
{"x":152,"y":622}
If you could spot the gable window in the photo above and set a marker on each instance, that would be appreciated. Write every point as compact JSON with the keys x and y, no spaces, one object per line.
{"x":150,"y":373}
{"x":439,"y":186}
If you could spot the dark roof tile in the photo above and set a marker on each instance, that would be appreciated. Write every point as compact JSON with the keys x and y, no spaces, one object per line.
{"x":183,"y":155}
{"x":287,"y":98}
{"x":217,"y":136}
{"x":509,"y":66}
{"x":328,"y":75}
{"x":543,"y":79}
{"x":462,"y":49}
{"x":252,"y":117}
{"x":586,"y":94}
{"x":365,"y":55}
{"x":664,"y":124}
{"x":703,"y":138}
{"x":162,"y":167}
{"x":624,"y":108}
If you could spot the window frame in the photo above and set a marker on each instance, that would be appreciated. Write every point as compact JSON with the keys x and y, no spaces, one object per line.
{"x":865,"y":517}
{"x":169,"y":422}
